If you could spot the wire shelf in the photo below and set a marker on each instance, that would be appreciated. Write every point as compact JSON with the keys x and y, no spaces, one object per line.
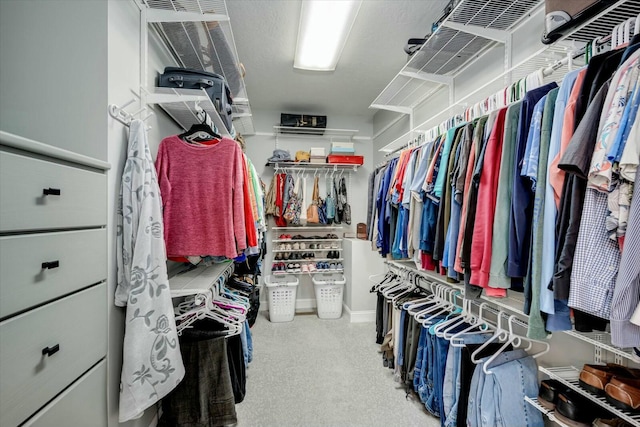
{"x":568,"y":375}
{"x":603,"y":23}
{"x":547,"y":412}
{"x":448,"y":50}
{"x":198,"y":280}
{"x":182,"y":105}
{"x":602,"y":340}
{"x":199,"y":36}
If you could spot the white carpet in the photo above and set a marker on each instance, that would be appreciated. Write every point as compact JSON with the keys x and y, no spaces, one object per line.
{"x":313,"y":372}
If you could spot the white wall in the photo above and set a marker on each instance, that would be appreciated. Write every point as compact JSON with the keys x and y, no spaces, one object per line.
{"x":38,"y":72}
{"x":124,"y":77}
{"x":260,"y":147}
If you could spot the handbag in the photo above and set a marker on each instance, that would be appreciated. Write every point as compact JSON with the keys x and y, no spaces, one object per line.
{"x":346,"y":208}
{"x":294,"y":205}
{"x":313,"y":216}
{"x":329,"y":202}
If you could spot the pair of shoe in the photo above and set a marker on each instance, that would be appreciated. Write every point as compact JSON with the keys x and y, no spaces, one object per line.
{"x":619,"y":384}
{"x":278,"y":268}
{"x":333,"y":254}
{"x":293,"y":268}
{"x":331,"y":236}
{"x":284,"y":237}
{"x":570,"y":407}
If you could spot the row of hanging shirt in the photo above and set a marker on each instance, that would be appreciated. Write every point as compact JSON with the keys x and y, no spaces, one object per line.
{"x":498,"y":202}
{"x":288,"y":198}
{"x":454,"y":359}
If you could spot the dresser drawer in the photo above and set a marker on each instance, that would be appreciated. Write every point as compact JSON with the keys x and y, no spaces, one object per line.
{"x":36,"y":268}
{"x":75,"y":197}
{"x":76,"y":324}
{"x":84,"y":404}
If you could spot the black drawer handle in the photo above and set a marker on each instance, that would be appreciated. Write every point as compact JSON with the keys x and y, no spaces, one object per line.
{"x":50,"y":351}
{"x":51,"y":191}
{"x":50,"y":265}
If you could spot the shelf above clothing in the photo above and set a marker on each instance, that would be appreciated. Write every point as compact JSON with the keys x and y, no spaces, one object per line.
{"x":185,"y":105}
{"x":547,"y":412}
{"x":310,"y":227}
{"x":326,"y":133}
{"x":603,"y":341}
{"x":199,"y":280}
{"x":305,"y":240}
{"x":324,"y":167}
{"x":470,"y":29}
{"x":568,"y":375}
{"x":198,"y":35}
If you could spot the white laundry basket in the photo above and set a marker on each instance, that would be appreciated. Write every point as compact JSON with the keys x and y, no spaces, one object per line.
{"x":329,"y":289}
{"x":282,"y":297}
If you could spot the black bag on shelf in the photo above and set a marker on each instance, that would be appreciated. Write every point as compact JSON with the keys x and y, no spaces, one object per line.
{"x":302,"y":121}
{"x":214,"y":84}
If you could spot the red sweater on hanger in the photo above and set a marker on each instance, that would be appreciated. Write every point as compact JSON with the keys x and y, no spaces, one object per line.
{"x":481,"y":245}
{"x":202,"y":198}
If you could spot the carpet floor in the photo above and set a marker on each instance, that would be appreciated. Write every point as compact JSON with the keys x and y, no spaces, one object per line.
{"x":323,"y":373}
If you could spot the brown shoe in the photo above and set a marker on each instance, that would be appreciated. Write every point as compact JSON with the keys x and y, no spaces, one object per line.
{"x":595,"y":377}
{"x":614,"y":422}
{"x":624,"y":393}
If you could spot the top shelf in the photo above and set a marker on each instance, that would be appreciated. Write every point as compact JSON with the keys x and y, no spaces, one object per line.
{"x":198,"y":34}
{"x":328,"y":133}
{"x":199,"y":280}
{"x":471,"y":28}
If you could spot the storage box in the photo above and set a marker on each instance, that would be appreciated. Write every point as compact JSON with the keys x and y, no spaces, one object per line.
{"x":318,"y":160}
{"x":329,"y":289}
{"x":317,"y":152}
{"x":343,"y":151}
{"x":340,"y":146}
{"x":351,"y":160}
{"x":282,"y":297}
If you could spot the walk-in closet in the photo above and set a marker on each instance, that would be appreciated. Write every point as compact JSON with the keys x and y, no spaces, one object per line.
{"x":319,"y":213}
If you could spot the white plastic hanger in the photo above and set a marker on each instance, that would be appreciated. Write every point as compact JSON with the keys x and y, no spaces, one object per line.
{"x":499,"y":334}
{"x":515,"y":341}
{"x":475,"y":323}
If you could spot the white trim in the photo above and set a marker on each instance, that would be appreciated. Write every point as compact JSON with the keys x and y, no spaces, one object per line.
{"x":364,"y":316}
{"x":33,"y":146}
{"x":305,"y":305}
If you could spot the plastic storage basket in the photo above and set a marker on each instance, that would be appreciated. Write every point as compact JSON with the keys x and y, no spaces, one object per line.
{"x":329,"y":289}
{"x":282,"y":297}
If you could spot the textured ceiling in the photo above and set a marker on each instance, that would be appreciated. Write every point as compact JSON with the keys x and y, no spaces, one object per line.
{"x":265,"y":32}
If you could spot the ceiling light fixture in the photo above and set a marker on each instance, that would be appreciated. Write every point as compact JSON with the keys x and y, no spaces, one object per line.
{"x":324,"y":28}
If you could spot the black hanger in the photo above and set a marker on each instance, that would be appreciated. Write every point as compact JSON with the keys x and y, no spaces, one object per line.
{"x":200,"y":127}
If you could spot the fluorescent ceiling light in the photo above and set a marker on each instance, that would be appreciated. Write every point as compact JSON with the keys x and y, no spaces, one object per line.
{"x":324,"y":28}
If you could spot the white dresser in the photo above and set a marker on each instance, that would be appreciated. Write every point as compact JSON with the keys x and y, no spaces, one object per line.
{"x":53,"y":297}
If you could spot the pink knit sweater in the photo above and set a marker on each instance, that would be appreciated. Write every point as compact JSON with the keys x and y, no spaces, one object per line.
{"x":202,"y":198}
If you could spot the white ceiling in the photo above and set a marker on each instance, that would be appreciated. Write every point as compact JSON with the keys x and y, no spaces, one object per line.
{"x":265,"y":32}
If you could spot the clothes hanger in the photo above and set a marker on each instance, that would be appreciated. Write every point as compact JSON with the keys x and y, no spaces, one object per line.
{"x":499,"y":334}
{"x":461,"y":316}
{"x":515,"y":341}
{"x":474,"y":323}
{"x":442,"y":309}
{"x":200,"y":131}
{"x":438,"y":291}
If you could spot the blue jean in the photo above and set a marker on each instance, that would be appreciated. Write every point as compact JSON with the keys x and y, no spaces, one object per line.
{"x":247,"y":343}
{"x":451,"y":387}
{"x":437,"y":359}
{"x":419,"y":370}
{"x":401,"y":338}
{"x":514,"y":375}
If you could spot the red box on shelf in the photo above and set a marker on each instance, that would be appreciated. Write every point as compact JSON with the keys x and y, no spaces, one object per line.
{"x":351,"y":160}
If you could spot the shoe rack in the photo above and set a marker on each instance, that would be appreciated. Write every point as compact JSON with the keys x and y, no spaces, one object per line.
{"x":569,"y":375}
{"x":307,"y":250}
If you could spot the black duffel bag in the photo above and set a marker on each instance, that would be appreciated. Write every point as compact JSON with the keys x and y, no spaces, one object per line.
{"x":214,"y":84}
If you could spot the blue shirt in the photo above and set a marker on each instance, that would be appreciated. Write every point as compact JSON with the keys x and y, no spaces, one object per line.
{"x":547,"y":304}
{"x":532,"y":152}
{"x":521,"y":209}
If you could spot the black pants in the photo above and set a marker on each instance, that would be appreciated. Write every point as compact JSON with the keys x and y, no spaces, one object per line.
{"x":205,"y":397}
